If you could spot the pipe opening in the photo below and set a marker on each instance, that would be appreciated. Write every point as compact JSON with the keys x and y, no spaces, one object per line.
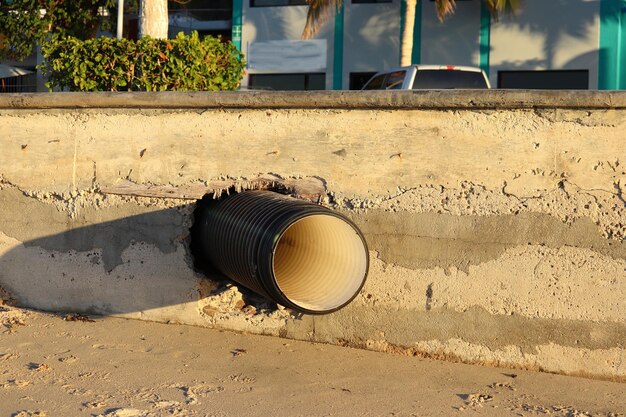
{"x":320,"y":262}
{"x":294,"y":252}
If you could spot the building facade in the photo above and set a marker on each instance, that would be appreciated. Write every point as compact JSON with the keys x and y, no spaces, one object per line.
{"x":579,"y":44}
{"x":555,"y":44}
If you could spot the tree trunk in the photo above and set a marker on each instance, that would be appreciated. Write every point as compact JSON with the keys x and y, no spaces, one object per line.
{"x":406,"y":48}
{"x":153,"y":19}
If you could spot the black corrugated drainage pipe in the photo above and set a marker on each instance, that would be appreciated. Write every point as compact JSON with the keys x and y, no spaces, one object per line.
{"x":299,"y":254}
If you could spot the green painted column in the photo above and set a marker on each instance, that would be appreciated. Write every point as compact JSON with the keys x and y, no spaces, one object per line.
{"x":612,"y":51}
{"x":338,"y":49}
{"x":237,"y":22}
{"x":485,"y":37}
{"x":416,"y":52}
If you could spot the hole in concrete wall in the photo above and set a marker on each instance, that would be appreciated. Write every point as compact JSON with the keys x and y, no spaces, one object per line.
{"x":292,"y":251}
{"x":201,"y":266}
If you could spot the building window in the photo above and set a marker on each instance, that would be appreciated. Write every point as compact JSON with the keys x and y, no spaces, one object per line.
{"x":202,"y":10}
{"x":282,"y":82}
{"x":545,"y":80}
{"x":269,"y":3}
{"x":19,"y":84}
{"x":207,"y":17}
{"x":358,"y":79}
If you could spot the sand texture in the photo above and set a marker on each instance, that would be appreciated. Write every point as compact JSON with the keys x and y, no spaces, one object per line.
{"x":74,"y":365}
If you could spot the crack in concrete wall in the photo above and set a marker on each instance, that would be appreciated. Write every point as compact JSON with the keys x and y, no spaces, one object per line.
{"x":566,"y":202}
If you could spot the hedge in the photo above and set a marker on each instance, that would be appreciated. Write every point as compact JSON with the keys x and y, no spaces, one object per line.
{"x":185,"y":63}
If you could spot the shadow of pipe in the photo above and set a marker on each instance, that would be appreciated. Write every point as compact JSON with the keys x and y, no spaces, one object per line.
{"x":132,"y":264}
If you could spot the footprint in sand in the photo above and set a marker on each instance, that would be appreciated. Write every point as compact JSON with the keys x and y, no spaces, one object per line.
{"x":124,"y":412}
{"x":95,"y":404}
{"x":242,"y":379}
{"x":15,"y":383}
{"x":476,"y":400}
{"x":8,"y":356}
{"x":68,"y":359}
{"x":39,"y":367}
{"x":192,"y":394}
{"x":29,"y":413}
{"x":504,"y":385}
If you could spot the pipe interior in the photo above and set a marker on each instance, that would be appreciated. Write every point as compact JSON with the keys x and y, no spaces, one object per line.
{"x":320,"y":262}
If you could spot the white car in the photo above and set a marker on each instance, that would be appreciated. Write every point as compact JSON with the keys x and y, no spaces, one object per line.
{"x":429,"y":77}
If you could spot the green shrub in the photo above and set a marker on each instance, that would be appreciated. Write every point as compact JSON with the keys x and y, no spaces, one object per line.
{"x":105,"y":64}
{"x":23,"y":23}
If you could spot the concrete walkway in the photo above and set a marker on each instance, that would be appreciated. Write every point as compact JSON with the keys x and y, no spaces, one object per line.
{"x":52,"y":366}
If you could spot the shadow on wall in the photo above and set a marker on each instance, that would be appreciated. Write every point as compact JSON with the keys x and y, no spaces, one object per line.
{"x":371,"y":40}
{"x":586,"y":60}
{"x":456,"y":38}
{"x":272,"y":23}
{"x":554,"y":20}
{"x":131,"y":264}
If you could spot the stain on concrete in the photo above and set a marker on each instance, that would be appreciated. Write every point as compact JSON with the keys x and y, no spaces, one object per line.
{"x":111,"y":229}
{"x":588,"y":118}
{"x":429,"y":240}
{"x":476,"y":326}
{"x":429,"y":296}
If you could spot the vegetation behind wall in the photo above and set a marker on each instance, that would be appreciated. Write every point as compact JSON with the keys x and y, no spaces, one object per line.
{"x":185,"y":63}
{"x":25,"y":23}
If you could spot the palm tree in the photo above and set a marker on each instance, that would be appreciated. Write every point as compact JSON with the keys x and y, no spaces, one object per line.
{"x":153,"y":20}
{"x":320,"y":12}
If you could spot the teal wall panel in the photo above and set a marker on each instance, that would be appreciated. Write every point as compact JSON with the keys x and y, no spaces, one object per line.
{"x":612,"y":68}
{"x":338,"y":49}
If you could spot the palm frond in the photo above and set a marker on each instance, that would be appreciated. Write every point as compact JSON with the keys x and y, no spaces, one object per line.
{"x":444,"y":8}
{"x":499,"y":7}
{"x":320,"y":12}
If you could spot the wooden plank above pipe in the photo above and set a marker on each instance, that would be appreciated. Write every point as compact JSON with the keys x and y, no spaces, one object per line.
{"x":311,"y":189}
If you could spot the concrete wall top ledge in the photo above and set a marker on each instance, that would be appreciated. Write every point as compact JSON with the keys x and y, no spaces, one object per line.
{"x":426,"y":99}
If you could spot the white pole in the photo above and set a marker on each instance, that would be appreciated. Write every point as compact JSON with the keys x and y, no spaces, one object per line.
{"x":120,"y":18}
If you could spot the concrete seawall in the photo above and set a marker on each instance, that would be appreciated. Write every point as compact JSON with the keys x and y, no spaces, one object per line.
{"x":496,"y":220}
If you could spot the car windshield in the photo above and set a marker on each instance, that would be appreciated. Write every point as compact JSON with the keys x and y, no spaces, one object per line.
{"x":446,"y":79}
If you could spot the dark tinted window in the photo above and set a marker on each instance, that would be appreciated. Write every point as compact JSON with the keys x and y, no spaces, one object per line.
{"x":394,"y":80}
{"x":313,"y":81}
{"x":358,"y":79}
{"x":201,"y":10}
{"x":445,"y":79}
{"x":376,"y":83}
{"x":265,"y":3}
{"x":545,"y":80}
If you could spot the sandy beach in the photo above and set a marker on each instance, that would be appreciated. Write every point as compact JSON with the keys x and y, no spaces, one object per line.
{"x":73,"y":365}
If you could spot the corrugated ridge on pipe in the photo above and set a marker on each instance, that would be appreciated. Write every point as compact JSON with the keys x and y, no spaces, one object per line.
{"x":299,"y":254}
